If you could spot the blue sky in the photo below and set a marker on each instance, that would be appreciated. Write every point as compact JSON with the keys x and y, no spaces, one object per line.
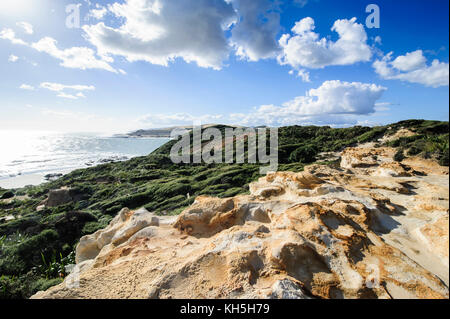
{"x":153,"y":63}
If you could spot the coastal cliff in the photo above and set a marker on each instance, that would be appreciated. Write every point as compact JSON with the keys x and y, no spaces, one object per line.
{"x":370,"y":227}
{"x":403,"y":167}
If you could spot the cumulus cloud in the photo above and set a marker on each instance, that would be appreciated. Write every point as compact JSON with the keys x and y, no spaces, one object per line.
{"x":9,"y":34}
{"x":76,"y":57}
{"x":98,"y":13}
{"x":27,"y":27}
{"x":333,"y":102}
{"x":204,"y":32}
{"x":305,"y":49}
{"x":67,"y":96}
{"x":160,"y":31}
{"x":412,"y":67}
{"x":71,"y":96}
{"x":27,"y":87}
{"x":303,"y":74}
{"x":13,"y":58}
{"x":58,"y":87}
{"x":254,"y":35}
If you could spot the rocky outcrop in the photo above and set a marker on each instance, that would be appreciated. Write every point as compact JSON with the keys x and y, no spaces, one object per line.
{"x":125,"y":225}
{"x":58,"y":197}
{"x":61,"y":196}
{"x":353,"y":157}
{"x":373,"y":228}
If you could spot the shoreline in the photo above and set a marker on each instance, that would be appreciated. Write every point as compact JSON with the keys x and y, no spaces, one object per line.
{"x":33,"y":179}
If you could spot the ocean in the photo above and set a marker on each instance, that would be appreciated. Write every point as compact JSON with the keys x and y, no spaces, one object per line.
{"x":25,"y":152}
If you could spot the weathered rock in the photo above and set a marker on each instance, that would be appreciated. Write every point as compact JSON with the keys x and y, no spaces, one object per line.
{"x":347,"y":232}
{"x":58,"y":197}
{"x":287,"y":289}
{"x":120,"y":229}
{"x":52,"y":177}
{"x":365,"y":157}
{"x":393,"y":169}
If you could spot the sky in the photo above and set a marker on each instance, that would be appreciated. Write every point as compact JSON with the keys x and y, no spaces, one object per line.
{"x":122,"y":65}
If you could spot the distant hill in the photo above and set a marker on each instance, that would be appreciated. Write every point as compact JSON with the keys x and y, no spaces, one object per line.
{"x":162,"y":132}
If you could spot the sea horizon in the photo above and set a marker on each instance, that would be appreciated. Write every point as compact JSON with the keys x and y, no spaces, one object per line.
{"x":49,"y":152}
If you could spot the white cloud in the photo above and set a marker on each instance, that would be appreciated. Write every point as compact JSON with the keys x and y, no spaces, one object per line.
{"x":58,"y":87}
{"x":303,"y":74}
{"x":333,"y":102}
{"x":13,"y":58}
{"x":254,"y":35}
{"x":76,"y":57}
{"x":27,"y":87}
{"x":160,"y":31}
{"x":27,"y":27}
{"x":9,"y":34}
{"x":98,"y":13}
{"x":305,"y":49}
{"x":67,"y":96}
{"x":71,"y":96}
{"x":410,"y":62}
{"x":412,"y":67}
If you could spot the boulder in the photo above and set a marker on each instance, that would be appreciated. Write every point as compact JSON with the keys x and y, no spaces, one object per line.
{"x":57,"y":197}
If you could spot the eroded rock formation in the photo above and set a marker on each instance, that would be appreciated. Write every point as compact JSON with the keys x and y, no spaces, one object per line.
{"x":371,"y":228}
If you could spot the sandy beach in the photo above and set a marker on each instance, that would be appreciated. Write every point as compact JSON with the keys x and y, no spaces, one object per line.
{"x":27,"y":179}
{"x":21,"y":181}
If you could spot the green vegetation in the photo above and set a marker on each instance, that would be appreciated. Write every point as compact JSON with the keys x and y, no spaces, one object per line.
{"x":5,"y":194}
{"x":36,"y":246}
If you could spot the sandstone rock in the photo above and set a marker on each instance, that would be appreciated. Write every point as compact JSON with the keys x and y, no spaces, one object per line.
{"x":287,"y":289}
{"x":58,"y":197}
{"x":326,"y":232}
{"x":121,"y":228}
{"x":426,"y":166}
{"x":393,"y":169}
{"x":435,"y":236}
{"x":366,"y":157}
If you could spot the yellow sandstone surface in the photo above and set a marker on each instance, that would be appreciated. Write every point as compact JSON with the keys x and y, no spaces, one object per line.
{"x":371,"y":228}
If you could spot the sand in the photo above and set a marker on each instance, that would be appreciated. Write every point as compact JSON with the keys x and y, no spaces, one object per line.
{"x":28,"y":179}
